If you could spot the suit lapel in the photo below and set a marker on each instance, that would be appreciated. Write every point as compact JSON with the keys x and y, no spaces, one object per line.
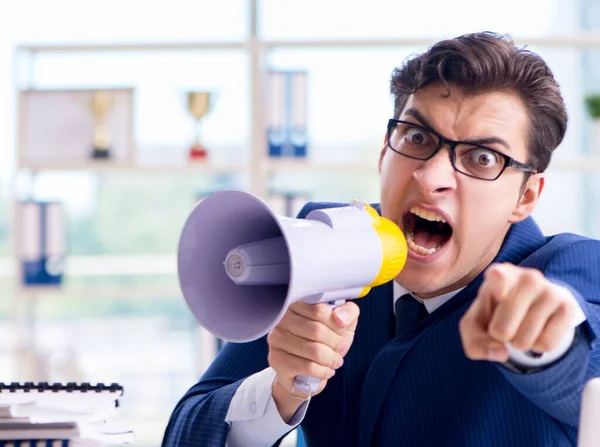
{"x":384,"y":366}
{"x":376,"y":327}
{"x":378,"y":381}
{"x":522,"y":240}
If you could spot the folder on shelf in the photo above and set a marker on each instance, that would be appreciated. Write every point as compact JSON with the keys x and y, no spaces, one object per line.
{"x":41,"y":243}
{"x":286,"y":113}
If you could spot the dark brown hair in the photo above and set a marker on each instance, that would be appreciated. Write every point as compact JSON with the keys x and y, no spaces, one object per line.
{"x":484,"y":62}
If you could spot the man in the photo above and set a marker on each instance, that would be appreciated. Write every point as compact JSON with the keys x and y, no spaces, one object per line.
{"x":486,"y":337}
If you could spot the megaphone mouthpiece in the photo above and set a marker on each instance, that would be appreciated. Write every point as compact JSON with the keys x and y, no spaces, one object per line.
{"x":259,"y":263}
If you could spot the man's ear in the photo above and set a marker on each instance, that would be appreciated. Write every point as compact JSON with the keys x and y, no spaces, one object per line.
{"x":528,"y":199}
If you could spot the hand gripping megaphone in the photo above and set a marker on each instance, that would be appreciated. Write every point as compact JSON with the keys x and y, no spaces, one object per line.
{"x":240,"y":266}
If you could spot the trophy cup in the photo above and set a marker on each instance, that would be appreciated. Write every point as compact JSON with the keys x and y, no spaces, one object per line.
{"x":101,"y":104}
{"x":198,"y":106}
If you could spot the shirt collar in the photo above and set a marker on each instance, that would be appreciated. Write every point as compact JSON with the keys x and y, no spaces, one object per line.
{"x":431,"y":304}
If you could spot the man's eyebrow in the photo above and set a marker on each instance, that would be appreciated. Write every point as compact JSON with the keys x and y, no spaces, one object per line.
{"x":419,"y":116}
{"x":491,"y":140}
{"x":482,"y":141}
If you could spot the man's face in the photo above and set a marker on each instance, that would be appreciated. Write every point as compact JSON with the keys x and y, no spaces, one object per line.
{"x":478,"y":212}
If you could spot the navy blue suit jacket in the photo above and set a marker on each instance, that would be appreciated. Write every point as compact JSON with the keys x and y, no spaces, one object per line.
{"x":419,"y":389}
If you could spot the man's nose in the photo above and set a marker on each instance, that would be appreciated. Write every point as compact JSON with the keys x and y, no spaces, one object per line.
{"x":436,"y":176}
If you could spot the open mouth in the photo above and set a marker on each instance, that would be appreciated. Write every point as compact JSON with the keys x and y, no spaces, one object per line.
{"x":426,"y":231}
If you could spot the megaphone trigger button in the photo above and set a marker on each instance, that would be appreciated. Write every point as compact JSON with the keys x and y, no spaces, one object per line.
{"x":300,"y":397}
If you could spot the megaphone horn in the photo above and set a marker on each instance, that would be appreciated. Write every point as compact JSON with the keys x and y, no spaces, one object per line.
{"x":240,"y":266}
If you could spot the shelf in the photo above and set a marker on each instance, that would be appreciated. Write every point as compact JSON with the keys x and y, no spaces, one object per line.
{"x":141,"y":169}
{"x":96,"y":292}
{"x":579,"y":39}
{"x":132,"y":46}
{"x":106,"y":265}
{"x":291,"y":164}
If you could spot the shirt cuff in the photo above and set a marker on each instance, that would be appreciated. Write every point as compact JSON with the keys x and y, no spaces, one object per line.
{"x":528,"y":359}
{"x":253,"y":416}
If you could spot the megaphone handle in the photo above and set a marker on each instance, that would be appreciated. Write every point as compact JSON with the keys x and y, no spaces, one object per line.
{"x":307,"y":384}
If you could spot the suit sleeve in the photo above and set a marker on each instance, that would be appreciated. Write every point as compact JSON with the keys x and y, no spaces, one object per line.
{"x":557,"y":388}
{"x":199,"y":417}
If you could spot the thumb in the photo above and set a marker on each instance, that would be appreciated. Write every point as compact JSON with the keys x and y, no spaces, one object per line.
{"x":476,"y":342}
{"x":346,"y":315}
{"x":500,"y":279}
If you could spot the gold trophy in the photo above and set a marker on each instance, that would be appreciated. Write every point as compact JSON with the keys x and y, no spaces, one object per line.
{"x":198,"y":106}
{"x":101,"y":104}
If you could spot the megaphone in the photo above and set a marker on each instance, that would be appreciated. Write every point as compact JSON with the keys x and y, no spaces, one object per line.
{"x":240,"y":266}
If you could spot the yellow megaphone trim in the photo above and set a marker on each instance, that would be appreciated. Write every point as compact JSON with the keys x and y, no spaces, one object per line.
{"x":395,"y":249}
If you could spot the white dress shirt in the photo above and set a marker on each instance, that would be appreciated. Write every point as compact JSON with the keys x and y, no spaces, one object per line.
{"x":253,"y":416}
{"x":255,"y":421}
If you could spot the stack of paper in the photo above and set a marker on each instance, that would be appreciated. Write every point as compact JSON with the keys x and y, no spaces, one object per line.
{"x":71,"y":415}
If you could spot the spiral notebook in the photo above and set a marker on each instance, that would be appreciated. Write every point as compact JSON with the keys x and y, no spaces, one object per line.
{"x":57,"y":402}
{"x":51,"y":443}
{"x":65,"y":415}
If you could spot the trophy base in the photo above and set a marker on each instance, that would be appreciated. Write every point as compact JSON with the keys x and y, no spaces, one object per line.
{"x":197,"y":153}
{"x":100,"y":154}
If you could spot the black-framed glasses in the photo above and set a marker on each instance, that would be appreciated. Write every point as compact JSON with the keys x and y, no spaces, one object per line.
{"x":471,"y":159}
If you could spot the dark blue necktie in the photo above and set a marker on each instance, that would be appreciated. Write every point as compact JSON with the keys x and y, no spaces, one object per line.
{"x":408,"y":312}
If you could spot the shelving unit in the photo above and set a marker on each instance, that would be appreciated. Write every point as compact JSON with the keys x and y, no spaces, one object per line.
{"x":256,"y":48}
{"x":259,"y":167}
